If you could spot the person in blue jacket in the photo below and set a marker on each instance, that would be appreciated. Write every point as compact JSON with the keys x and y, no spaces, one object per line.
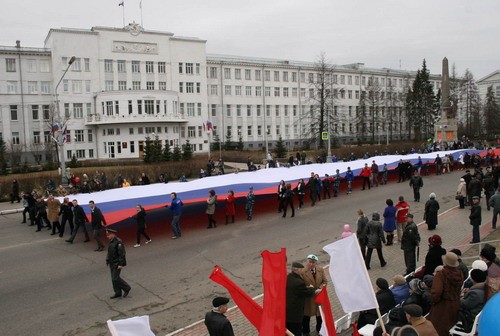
{"x":176,"y":208}
{"x":349,"y":176}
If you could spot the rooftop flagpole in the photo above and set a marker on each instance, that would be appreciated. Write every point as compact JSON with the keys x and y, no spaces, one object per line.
{"x":140,"y":6}
{"x":122,"y":3}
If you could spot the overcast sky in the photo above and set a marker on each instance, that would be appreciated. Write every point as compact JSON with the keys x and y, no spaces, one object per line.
{"x":380,"y":33}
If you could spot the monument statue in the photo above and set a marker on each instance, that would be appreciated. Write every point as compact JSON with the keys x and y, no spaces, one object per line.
{"x":446,"y":128}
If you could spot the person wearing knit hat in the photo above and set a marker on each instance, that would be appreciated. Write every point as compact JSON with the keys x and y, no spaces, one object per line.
{"x":431,"y":212}
{"x":419,"y":293}
{"x":399,"y":288}
{"x":488,"y":255}
{"x":414,"y":315}
{"x":215,"y":320}
{"x":445,"y":295}
{"x":385,"y":301}
{"x":474,"y":297}
{"x":434,"y":256}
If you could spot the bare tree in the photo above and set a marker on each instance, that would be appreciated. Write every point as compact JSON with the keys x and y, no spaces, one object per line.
{"x":491,"y":115}
{"x":373,"y":102}
{"x":470,"y":102}
{"x":321,"y":116}
{"x":55,"y":124}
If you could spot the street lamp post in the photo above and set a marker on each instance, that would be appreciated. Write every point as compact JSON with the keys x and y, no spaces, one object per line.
{"x":60,"y":141}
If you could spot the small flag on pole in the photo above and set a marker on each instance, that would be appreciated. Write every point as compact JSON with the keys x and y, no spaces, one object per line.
{"x":209,"y":126}
{"x":65,"y":134}
{"x":55,"y":127}
{"x":121,"y":3}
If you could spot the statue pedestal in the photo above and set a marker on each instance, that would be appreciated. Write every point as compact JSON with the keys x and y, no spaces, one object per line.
{"x":446,"y":130}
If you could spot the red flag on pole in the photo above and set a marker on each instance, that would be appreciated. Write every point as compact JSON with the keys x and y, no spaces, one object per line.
{"x":355,"y":331}
{"x":328,"y":322}
{"x":251,"y":309}
{"x":274,"y":282}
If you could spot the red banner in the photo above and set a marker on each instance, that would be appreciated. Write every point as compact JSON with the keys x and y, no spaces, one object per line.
{"x":323,"y":300}
{"x":251,"y":309}
{"x":274,"y":282}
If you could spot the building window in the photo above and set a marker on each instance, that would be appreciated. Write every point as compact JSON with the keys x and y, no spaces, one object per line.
{"x":285,"y":76}
{"x":294,"y":77}
{"x":108,"y":65}
{"x":267,"y":75}
{"x":181,"y":87}
{"x":11,"y":87}
{"x":109,"y":108}
{"x":87,"y":86}
{"x":189,"y":87}
{"x":267,"y":91}
{"x":10,"y":64}
{"x":13,"y":112}
{"x":258,"y":110}
{"x":213,"y":72}
{"x":248,"y":91}
{"x":149,"y":106}
{"x":117,"y":107}
{"x":32,"y":87}
{"x":249,"y":110}
{"x":36,"y":137}
{"x":181,"y":67}
{"x":228,"y":110}
{"x":268,"y":110}
{"x":213,"y":90}
{"x":136,"y":66}
{"x":108,"y":85}
{"x":150,"y":85}
{"x":162,"y":67}
{"x":285,"y":92}
{"x":276,"y":91}
{"x":90,"y":136}
{"x":121,"y":66}
{"x":227,"y":90}
{"x":258,"y":74}
{"x":213,"y":108}
{"x":199,"y":109}
{"x":77,"y":86}
{"x":248,"y":74}
{"x":227,"y":73}
{"x":259,"y":130}
{"x":162,"y":86}
{"x":294,"y":92}
{"x":78,"y":110}
{"x":237,"y":90}
{"x":277,"y":109}
{"x":276,"y":76}
{"x":45,"y":87}
{"x":302,"y":77}
{"x":122,"y":85}
{"x":79,"y":136}
{"x":77,"y":64}
{"x":46,"y":112}
{"x":34,"y":112}
{"x":31,"y":65}
{"x":258,"y":91}
{"x":238,"y":110}
{"x":189,"y":68}
{"x":191,"y":131}
{"x":136,"y":85}
{"x":190,"y":109}
{"x":150,"y":67}
{"x":44,"y":66}
{"x":198,"y":66}
{"x":237,"y":73}
{"x":15,"y":138}
{"x":198,"y":87}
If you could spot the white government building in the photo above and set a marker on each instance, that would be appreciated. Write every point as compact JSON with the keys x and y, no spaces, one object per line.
{"x":129,"y":83}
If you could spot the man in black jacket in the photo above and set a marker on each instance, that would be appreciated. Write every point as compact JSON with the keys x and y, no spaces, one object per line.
{"x":215,"y":320}
{"x":80,"y":219}
{"x":98,"y":222}
{"x":475,"y":219}
{"x":116,"y":261}
{"x":416,"y":182}
{"x":409,"y":242}
{"x":296,"y":294}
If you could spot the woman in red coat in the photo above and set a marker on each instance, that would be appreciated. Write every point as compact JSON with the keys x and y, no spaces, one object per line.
{"x":230,"y":206}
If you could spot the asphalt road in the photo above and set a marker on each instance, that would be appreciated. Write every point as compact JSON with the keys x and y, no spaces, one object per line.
{"x":49,"y":287}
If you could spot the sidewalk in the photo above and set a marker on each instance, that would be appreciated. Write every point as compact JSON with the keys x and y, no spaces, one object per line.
{"x":10,"y":208}
{"x":453,"y":227}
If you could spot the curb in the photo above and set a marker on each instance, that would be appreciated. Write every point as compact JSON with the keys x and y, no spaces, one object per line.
{"x":11,"y":211}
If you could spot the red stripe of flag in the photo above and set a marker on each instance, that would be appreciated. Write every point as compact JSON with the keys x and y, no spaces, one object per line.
{"x":323,"y":300}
